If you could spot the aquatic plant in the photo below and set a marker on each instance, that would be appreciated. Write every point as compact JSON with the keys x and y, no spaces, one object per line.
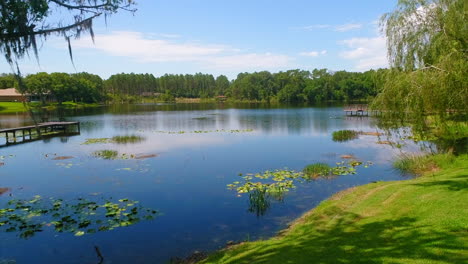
{"x":344,"y":135}
{"x":418,"y":164}
{"x":90,"y":141}
{"x":127,"y":139}
{"x":79,"y":216}
{"x":316,"y":170}
{"x":273,"y":185}
{"x":106,"y":154}
{"x":117,"y":139}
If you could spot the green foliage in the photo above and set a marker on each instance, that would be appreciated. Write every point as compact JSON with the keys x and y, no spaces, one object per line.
{"x":419,"y":164}
{"x":7,"y":81}
{"x":344,"y":135}
{"x":79,"y":87}
{"x":428,"y":84}
{"x":80,"y":216}
{"x":288,"y":87}
{"x":166,"y":97}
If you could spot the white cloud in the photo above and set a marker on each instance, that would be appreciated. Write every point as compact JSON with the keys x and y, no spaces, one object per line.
{"x":347,"y":27}
{"x":149,"y":48}
{"x":367,"y":53}
{"x":313,"y":53}
{"x":319,"y":26}
{"x":338,"y":28}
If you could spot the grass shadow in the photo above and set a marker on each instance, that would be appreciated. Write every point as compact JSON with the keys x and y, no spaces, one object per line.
{"x":349,"y":239}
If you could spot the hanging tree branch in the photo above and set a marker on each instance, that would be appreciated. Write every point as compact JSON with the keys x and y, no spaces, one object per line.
{"x":19,"y":20}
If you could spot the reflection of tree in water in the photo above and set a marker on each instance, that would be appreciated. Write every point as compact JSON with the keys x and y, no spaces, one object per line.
{"x":448,"y":136}
{"x":79,"y":216}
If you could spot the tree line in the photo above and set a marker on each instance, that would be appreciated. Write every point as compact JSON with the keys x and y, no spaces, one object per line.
{"x":293,"y":86}
{"x":78,"y":87}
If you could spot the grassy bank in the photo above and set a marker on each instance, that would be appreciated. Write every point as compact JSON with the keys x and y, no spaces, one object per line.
{"x":18,"y":107}
{"x":423,"y":220}
{"x":11,"y":107}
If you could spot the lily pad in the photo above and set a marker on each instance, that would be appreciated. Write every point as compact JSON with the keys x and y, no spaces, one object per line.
{"x":63,"y":158}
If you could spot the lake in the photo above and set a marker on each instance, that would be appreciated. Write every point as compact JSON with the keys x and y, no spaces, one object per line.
{"x":188,"y":155}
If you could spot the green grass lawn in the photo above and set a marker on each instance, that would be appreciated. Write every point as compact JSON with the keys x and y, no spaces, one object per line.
{"x":12,"y":107}
{"x":423,"y":220}
{"x":15,"y":107}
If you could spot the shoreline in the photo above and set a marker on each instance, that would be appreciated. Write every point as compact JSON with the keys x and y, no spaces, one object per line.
{"x":382,"y":222}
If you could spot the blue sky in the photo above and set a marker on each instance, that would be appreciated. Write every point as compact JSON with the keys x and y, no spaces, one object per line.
{"x":225,"y":37}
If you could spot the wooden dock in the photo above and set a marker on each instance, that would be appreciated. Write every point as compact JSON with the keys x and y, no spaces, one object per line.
{"x":357,"y":110}
{"x":40,"y":129}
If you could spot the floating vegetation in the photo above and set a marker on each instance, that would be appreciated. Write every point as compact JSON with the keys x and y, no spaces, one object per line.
{"x":80,"y":216}
{"x":129,"y":139}
{"x":206,"y":131}
{"x":113,"y":155}
{"x":63,"y":158}
{"x":316,"y":170}
{"x":4,"y":157}
{"x":344,"y":135}
{"x":90,"y":141}
{"x":273,"y":185}
{"x":106,"y":154}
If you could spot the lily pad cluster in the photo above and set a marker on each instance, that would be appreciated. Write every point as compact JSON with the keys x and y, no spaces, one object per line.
{"x":113,"y":155}
{"x":79,"y":216}
{"x":206,"y":131}
{"x":273,"y":185}
{"x":130,"y":139}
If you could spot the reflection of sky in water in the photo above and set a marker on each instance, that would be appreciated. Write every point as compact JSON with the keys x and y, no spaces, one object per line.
{"x":187,"y":181}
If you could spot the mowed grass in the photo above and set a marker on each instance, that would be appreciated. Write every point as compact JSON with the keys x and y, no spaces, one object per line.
{"x":12,"y":107}
{"x":423,"y":220}
{"x":16,"y":107}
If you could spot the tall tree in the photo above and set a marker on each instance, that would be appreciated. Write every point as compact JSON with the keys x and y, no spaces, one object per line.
{"x":428,"y":52}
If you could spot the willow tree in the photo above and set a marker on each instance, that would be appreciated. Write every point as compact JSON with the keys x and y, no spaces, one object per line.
{"x":427,"y":51}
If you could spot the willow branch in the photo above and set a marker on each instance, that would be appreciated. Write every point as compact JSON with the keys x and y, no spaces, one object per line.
{"x":48,"y":31}
{"x":81,"y":6}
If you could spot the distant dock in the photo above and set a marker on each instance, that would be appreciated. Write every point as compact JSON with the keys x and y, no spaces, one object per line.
{"x":47,"y":128}
{"x":359,"y":110}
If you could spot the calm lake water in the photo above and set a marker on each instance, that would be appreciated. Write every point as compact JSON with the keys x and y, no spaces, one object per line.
{"x":187,"y":180}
